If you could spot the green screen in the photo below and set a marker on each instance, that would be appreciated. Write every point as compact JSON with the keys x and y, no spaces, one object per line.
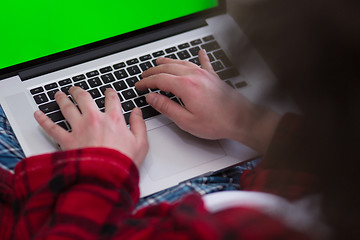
{"x":34,"y":29}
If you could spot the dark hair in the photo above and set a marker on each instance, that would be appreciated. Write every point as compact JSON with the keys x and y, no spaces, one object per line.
{"x":313,"y":47}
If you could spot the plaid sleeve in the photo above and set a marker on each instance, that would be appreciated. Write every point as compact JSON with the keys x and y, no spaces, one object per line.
{"x":73,"y":193}
{"x":7,"y":217}
{"x":284,"y":169}
{"x":91,"y":194}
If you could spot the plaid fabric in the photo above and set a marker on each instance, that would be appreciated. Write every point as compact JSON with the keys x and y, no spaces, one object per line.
{"x":223,"y":180}
{"x":92,"y":193}
{"x":10,"y":150}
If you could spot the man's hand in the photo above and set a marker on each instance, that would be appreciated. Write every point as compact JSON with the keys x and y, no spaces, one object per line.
{"x":93,"y":128}
{"x":212,"y":109}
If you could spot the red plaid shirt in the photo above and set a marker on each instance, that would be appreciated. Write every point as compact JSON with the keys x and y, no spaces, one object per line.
{"x":91,"y":193}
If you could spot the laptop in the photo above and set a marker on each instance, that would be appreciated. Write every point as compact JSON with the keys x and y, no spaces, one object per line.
{"x":53,"y":45}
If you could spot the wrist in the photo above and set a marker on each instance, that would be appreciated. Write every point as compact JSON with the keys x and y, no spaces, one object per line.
{"x":257,"y":128}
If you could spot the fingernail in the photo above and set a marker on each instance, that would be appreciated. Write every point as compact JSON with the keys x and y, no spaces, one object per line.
{"x":151,"y":99}
{"x":137,"y":111}
{"x":37,"y":113}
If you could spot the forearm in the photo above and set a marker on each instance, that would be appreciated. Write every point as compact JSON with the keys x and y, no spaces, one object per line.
{"x":254,"y":126}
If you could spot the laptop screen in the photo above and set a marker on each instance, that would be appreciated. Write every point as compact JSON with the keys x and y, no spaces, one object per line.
{"x":34,"y":29}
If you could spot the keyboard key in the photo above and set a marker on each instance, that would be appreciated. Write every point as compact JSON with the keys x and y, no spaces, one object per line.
{"x":172,"y":56}
{"x":92,"y":74}
{"x":63,"y":125}
{"x":140,"y":93}
{"x":36,"y":90}
{"x":107,"y":78}
{"x":211,"y":46}
{"x":195,"y":60}
{"x":120,"y":85}
{"x":167,"y":94}
{"x":196,"y":42}
{"x":194,"y":51}
{"x":208,"y":38}
{"x":78,"y":78}
{"x":149,"y":112}
{"x":95,"y":82}
{"x":103,"y":88}
{"x":51,"y":93}
{"x":49,"y":107}
{"x":184,"y":45}
{"x":120,"y":97}
{"x":56,"y":116}
{"x":211,"y":58}
{"x":82,"y":84}
{"x":128,"y":94}
{"x":121,"y":74}
{"x":106,"y":69}
{"x":154,"y":62}
{"x":217,"y":66}
{"x":119,"y":65}
{"x":241,"y":84}
{"x":94,"y":93}
{"x":65,"y":82}
{"x":158,"y":53}
{"x":51,"y":86}
{"x":132,"y":61}
{"x":128,"y":106}
{"x":220,"y":55}
{"x":133,"y":70}
{"x":145,"y":66}
{"x":127,"y":117}
{"x":100,"y":102}
{"x":131,"y":81}
{"x":145,"y":58}
{"x":228,"y":73}
{"x":183,"y":55}
{"x":140,"y":102}
{"x":66,"y":89}
{"x":171,"y":50}
{"x":176,"y":100}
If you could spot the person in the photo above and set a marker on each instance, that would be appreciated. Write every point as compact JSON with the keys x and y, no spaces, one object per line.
{"x":90,"y":189}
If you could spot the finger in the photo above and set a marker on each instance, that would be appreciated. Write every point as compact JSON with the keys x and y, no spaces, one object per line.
{"x":173,"y":68}
{"x":84,"y":100}
{"x":67,"y":107}
{"x":113,"y":106}
{"x":138,"y":126}
{"x":205,"y":62}
{"x":168,"y":107}
{"x":162,"y":81}
{"x":52,"y":129}
{"x":112,"y":101}
{"x":164,"y":60}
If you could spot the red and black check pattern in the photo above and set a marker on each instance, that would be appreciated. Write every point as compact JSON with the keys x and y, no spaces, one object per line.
{"x":91,"y":194}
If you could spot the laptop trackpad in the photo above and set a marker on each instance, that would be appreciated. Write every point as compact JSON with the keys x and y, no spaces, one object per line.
{"x":173,"y":151}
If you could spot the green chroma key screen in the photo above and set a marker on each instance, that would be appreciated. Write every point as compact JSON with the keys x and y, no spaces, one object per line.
{"x":34,"y":29}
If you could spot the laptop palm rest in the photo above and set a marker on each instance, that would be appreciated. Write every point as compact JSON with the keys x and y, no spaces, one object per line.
{"x":173,"y":151}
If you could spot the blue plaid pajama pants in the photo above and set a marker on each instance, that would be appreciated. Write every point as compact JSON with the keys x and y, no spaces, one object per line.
{"x":228,"y":179}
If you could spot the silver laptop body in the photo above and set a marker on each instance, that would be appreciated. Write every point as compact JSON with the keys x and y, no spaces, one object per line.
{"x":174,"y":155}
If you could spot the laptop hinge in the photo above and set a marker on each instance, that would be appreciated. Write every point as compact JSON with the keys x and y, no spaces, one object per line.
{"x":110,"y":49}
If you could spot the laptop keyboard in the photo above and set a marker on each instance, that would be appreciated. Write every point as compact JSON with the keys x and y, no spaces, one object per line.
{"x":122,"y":77}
